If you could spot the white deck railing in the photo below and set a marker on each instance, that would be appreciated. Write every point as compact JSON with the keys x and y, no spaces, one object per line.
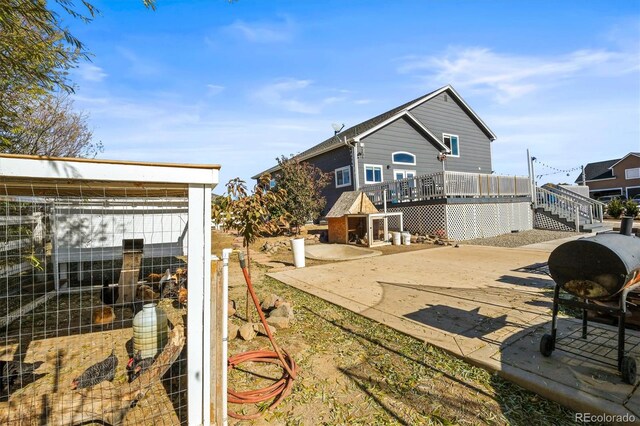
{"x":448,"y":185}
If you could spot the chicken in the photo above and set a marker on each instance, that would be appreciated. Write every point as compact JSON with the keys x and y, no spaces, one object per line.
{"x":182,"y":296}
{"x":99,"y":372}
{"x":146,"y":293}
{"x":181,"y":277}
{"x":109,"y":293}
{"x":10,"y":371}
{"x":104,"y":315}
{"x":137,"y":365}
{"x":154,"y":278}
{"x":166,"y":277}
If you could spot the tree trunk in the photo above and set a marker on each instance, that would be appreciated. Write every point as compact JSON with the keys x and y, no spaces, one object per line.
{"x":249,"y":272}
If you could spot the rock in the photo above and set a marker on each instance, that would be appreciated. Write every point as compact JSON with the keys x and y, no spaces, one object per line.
{"x":270,"y":301}
{"x":247,"y":332}
{"x":232,"y":308}
{"x":414,"y":239}
{"x":260,"y":329}
{"x":278,"y":322}
{"x":233,"y":330}
{"x":284,"y":310}
{"x":266,"y":247}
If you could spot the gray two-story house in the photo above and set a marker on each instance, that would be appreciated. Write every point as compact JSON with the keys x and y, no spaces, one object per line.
{"x":402,"y":143}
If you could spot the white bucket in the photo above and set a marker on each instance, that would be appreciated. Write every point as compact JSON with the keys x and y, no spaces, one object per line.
{"x":396,"y":238}
{"x":406,"y":238}
{"x":297,"y":246}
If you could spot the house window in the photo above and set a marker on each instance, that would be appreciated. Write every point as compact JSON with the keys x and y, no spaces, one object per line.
{"x":343,"y":176}
{"x":453,"y":143}
{"x":403,"y":158}
{"x":272,"y":183}
{"x":372,"y":173}
{"x":632,"y":173}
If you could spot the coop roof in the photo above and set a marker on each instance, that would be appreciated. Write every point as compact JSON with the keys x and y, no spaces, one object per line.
{"x":52,"y":176}
{"x":352,"y":202}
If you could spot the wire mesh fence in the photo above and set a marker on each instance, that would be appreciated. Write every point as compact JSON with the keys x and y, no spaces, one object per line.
{"x":93,"y":294}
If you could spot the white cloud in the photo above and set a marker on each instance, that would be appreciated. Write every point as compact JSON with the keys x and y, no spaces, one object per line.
{"x":362,"y":101}
{"x":138,"y":65}
{"x":507,"y":77}
{"x":91,"y":72}
{"x":263,"y":32}
{"x":214,"y":89}
{"x":296,"y":96}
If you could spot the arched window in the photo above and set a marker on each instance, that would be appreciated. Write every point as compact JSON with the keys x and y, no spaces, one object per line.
{"x":402,"y":157}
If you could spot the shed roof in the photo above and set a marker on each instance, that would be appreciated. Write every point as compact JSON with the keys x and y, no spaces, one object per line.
{"x":352,"y":202}
{"x":52,"y":176}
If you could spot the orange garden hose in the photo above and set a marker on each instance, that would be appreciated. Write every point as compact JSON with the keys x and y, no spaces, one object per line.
{"x":278,"y":390}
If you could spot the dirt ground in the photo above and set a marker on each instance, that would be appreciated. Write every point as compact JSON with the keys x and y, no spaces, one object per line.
{"x":356,"y":371}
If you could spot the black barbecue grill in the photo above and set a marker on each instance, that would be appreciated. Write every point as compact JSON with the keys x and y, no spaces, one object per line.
{"x":600,"y":273}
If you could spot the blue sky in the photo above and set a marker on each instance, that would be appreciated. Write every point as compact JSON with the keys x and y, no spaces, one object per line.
{"x":240,"y":83}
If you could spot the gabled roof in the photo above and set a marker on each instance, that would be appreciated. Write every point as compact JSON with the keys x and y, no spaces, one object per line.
{"x":352,"y":202}
{"x":636,"y":154}
{"x":355,"y":133}
{"x":599,"y":170}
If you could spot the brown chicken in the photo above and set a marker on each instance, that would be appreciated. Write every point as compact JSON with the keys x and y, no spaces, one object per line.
{"x":104,"y":315}
{"x":182,"y":296}
{"x":146,"y":293}
{"x":154,"y":278}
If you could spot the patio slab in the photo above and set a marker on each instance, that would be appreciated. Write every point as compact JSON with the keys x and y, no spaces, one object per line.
{"x":487,"y":305}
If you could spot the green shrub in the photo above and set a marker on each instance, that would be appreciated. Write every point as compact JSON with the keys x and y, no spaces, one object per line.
{"x":631,"y":208}
{"x":615,"y":208}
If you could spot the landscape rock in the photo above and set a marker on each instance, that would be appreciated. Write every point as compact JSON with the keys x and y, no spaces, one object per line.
{"x":247,"y":332}
{"x":284,"y":310}
{"x":231,"y":310}
{"x":278,"y":322}
{"x":270,"y":301}
{"x":266,"y":247}
{"x":233,"y":330}
{"x":260,"y":329}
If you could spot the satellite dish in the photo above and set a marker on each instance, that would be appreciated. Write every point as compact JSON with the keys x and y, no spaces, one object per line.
{"x":337,"y":127}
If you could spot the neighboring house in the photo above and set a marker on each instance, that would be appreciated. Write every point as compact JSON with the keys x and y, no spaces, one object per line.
{"x":613,"y":177}
{"x":404,"y":143}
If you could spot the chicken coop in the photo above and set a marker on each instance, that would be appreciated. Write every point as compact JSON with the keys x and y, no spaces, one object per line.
{"x":108,"y":307}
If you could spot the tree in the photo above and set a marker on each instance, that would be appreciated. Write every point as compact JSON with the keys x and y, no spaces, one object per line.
{"x":49,"y":126}
{"x":249,"y":214}
{"x":303,"y":183}
{"x":36,"y":52}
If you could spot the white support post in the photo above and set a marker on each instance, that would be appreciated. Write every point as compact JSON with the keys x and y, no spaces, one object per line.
{"x":198,"y":317}
{"x":577,"y":218}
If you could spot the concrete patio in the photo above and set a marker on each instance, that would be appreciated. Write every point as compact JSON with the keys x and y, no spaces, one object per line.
{"x":487,"y":305}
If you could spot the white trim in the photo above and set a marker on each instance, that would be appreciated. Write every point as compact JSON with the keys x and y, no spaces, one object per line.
{"x":598,"y":180}
{"x":623,"y":158}
{"x":335,"y":176}
{"x":626,"y":190}
{"x":606,"y":189}
{"x":626,"y":175}
{"x":54,"y":168}
{"x":404,"y":173}
{"x":449,"y":150}
{"x":400,"y":162}
{"x":403,"y":113}
{"x":365,"y":173}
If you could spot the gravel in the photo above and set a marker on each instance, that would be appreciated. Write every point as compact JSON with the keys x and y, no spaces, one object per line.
{"x":517,"y":239}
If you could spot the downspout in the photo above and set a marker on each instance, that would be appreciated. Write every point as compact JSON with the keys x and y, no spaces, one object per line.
{"x":356,"y":171}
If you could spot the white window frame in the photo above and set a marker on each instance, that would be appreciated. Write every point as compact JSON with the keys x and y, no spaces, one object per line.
{"x":450,"y":153}
{"x":399,"y":162}
{"x":373,"y":166}
{"x":404,"y":173}
{"x":342,"y":169}
{"x":627,"y":173}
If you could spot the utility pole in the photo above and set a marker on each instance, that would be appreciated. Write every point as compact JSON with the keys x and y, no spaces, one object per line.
{"x":584,"y":178}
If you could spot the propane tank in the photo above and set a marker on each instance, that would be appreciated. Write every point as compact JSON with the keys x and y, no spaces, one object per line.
{"x":149,"y":331}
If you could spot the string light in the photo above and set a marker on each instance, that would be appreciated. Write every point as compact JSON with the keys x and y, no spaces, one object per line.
{"x":555,"y":170}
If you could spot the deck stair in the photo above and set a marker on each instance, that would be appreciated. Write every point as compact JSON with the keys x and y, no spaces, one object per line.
{"x":570,"y":208}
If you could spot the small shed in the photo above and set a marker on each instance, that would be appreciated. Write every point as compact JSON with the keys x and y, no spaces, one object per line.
{"x":354,"y":219}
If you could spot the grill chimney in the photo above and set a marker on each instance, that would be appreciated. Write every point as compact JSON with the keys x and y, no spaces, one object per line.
{"x":626,"y":224}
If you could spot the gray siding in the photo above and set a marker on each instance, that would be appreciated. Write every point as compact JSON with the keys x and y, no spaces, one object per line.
{"x":398,"y":136}
{"x":447,"y":117}
{"x":328,"y":162}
